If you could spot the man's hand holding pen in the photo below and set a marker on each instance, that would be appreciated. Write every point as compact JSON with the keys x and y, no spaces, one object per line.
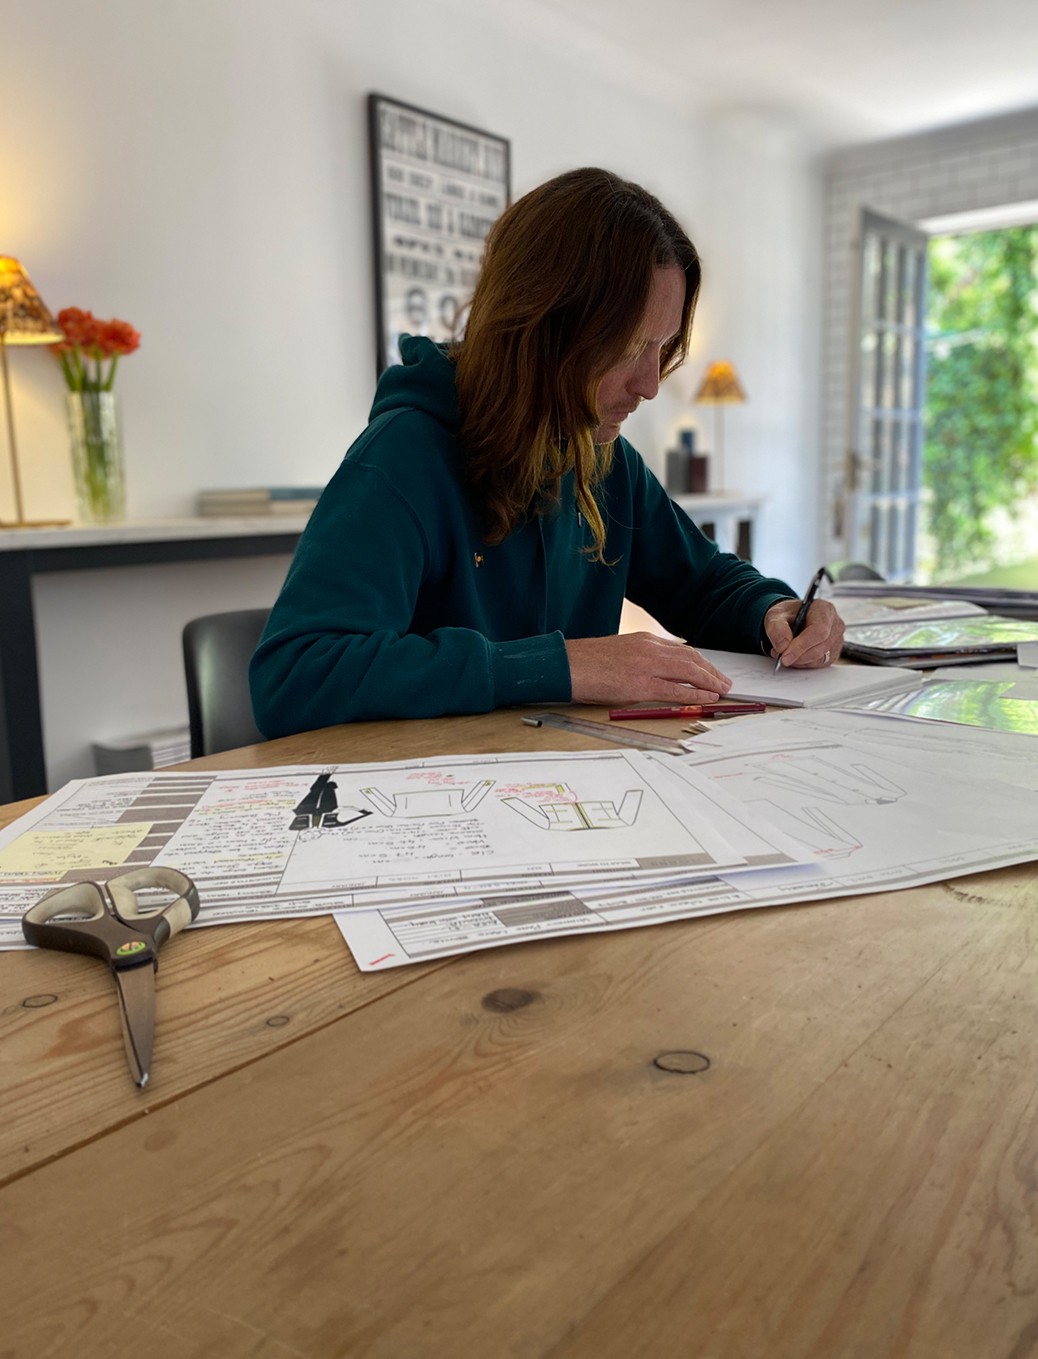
{"x":818,"y":645}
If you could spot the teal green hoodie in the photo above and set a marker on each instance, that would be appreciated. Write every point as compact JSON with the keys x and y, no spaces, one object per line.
{"x":395,"y":606}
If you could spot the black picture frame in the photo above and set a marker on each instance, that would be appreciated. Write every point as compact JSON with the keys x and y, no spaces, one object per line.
{"x":437,"y":186}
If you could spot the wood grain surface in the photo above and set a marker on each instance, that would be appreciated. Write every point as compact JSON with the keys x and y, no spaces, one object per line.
{"x":477,"y":734}
{"x":224,"y":996}
{"x":483,"y":1159}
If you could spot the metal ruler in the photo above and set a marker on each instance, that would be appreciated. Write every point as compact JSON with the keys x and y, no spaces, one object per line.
{"x":607,"y":731}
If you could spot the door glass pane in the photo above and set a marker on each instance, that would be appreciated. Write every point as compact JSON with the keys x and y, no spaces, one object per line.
{"x":909,"y":313}
{"x":906,"y":391}
{"x":870,"y":281}
{"x":890,"y":281}
{"x":888,"y":390}
{"x":868,"y":368}
{"x":875,"y":480}
{"x":894,"y":479}
{"x":893,"y":538}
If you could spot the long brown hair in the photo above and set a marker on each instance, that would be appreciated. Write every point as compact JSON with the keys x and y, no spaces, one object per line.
{"x":565,"y":281}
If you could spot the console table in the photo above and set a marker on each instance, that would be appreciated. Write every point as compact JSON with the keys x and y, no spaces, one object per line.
{"x":726,"y":516}
{"x":25,"y":553}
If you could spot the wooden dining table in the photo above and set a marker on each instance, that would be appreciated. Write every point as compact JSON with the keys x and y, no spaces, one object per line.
{"x":806,"y":1131}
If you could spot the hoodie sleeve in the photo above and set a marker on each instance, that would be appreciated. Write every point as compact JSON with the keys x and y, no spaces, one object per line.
{"x":708,"y":597}
{"x":337,"y":647}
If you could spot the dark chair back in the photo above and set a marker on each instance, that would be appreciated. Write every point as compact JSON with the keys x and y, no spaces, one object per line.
{"x":217,"y":651}
{"x":853,"y":571}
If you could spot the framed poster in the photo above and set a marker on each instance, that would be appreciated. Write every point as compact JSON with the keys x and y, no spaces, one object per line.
{"x":437,"y":188}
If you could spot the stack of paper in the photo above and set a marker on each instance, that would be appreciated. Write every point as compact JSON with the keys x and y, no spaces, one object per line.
{"x":995,"y":599}
{"x":874,"y":805}
{"x":949,"y":641}
{"x":856,"y":610}
{"x":494,"y":831}
{"x":421,"y":859}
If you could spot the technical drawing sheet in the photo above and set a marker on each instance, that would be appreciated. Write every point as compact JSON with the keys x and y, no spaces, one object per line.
{"x":881,"y":802}
{"x":873,"y":803}
{"x":951,"y":750}
{"x":304,"y":840}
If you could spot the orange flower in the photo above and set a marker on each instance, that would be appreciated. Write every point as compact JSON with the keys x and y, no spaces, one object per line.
{"x":88,"y":343}
{"x":79,"y":327}
{"x":116,"y":337}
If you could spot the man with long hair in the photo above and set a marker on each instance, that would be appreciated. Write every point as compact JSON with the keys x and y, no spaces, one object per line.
{"x":475,"y":547}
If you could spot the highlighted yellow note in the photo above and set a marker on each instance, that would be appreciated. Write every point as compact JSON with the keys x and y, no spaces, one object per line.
{"x":46,"y":856}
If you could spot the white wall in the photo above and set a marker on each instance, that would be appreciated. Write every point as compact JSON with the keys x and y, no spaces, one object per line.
{"x":763,"y":241}
{"x":109,"y":646}
{"x":199,"y":168}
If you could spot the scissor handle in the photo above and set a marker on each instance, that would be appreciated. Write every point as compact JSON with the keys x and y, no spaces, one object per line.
{"x":168,"y":921}
{"x":123,"y":937}
{"x":95,"y":930}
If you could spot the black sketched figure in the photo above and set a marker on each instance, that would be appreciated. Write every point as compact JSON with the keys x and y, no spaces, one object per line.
{"x":319,"y":809}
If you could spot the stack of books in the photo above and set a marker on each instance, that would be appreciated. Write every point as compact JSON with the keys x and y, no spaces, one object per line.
{"x":258,"y":500}
{"x":148,"y":750}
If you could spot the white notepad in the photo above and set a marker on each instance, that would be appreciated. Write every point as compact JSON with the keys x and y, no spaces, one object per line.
{"x":755,"y":680}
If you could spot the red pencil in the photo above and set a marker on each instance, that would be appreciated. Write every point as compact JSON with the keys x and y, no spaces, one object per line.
{"x":687,"y":710}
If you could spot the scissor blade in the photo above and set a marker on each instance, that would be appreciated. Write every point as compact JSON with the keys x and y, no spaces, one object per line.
{"x":137,"y":1010}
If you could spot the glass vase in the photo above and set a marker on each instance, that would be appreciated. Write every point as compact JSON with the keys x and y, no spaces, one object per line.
{"x":97,"y":456}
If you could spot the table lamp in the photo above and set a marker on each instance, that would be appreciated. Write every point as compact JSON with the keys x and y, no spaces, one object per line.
{"x":719,"y":388}
{"x":23,"y":320}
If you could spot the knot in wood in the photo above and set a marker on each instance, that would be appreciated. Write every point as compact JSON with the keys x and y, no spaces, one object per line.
{"x":682,"y":1063}
{"x":38,"y":1002}
{"x":277,"y":1021}
{"x":508,"y":998}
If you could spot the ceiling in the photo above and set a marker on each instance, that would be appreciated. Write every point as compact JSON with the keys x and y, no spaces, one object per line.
{"x":842,"y":71}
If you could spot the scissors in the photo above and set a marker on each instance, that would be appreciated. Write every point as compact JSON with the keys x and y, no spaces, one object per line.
{"x":107,"y":922}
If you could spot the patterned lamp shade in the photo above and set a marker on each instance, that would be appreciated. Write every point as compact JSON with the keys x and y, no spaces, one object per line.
{"x":23,"y":320}
{"x":23,"y":317}
{"x":721,"y":385}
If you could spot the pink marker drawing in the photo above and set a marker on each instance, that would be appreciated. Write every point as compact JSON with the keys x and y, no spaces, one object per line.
{"x":376,"y":962}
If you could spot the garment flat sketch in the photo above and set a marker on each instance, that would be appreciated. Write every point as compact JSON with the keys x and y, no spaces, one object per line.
{"x":430,"y":801}
{"x":592,"y":814}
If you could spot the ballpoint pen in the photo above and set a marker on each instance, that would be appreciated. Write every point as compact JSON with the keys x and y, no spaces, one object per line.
{"x":809,"y":599}
{"x":687,"y":710}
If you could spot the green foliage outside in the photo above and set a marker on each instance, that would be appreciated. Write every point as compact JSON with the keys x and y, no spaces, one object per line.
{"x":982,"y":388}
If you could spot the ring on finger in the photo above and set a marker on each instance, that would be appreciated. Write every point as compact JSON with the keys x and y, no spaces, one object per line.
{"x":826,"y":661}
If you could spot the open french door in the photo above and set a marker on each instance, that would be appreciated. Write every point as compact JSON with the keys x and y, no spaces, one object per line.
{"x":889,"y":382}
